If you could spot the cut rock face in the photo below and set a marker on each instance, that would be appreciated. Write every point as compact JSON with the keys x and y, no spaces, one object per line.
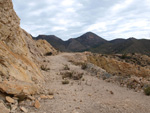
{"x":19,"y":55}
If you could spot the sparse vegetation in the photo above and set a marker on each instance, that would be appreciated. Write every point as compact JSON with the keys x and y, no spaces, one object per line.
{"x":66,"y":67}
{"x":67,"y":75}
{"x":77,"y":76}
{"x":147,"y":91}
{"x":65,"y":81}
{"x":125,"y":56}
{"x":44,"y":68}
{"x":72,"y":75}
{"x":83,"y":65}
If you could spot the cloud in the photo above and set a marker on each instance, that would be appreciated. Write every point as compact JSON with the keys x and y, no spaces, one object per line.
{"x":70,"y":18}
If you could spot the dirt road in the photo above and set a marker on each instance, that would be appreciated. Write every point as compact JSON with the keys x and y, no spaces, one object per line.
{"x":89,"y":94}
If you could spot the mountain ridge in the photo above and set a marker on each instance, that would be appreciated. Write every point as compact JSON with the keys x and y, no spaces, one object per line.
{"x":80,"y":43}
{"x":94,"y":43}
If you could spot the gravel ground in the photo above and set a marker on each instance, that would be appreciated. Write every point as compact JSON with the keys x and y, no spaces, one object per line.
{"x":87,"y":95}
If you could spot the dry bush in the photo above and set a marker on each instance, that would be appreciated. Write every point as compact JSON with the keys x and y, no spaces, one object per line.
{"x":67,"y":75}
{"x":66,"y":67}
{"x":72,"y":75}
{"x":44,"y":68}
{"x":82,"y":64}
{"x":65,"y":82}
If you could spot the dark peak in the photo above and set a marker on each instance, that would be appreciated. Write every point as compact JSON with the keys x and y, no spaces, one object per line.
{"x":89,"y":33}
{"x":46,"y":36}
{"x":90,"y":36}
{"x":132,"y":38}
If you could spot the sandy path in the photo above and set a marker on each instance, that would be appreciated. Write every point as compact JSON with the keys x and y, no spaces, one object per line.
{"x":89,"y":96}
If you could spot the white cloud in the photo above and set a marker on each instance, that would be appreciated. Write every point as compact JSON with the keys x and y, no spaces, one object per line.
{"x":59,"y":28}
{"x":67,"y":2}
{"x":97,"y":26}
{"x":121,"y":6}
{"x":71,"y":18}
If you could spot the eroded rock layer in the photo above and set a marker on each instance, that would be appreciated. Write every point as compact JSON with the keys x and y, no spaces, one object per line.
{"x":19,"y":55}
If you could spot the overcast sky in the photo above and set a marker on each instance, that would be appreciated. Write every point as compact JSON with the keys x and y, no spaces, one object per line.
{"x":71,"y":18}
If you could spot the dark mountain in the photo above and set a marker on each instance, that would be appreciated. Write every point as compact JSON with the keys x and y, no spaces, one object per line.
{"x":94,"y":43}
{"x":85,"y":42}
{"x":130,"y":45}
{"x":56,"y":42}
{"x":82,"y":43}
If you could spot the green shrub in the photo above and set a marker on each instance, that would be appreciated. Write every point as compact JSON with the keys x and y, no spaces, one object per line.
{"x":147,"y":91}
{"x":67,"y":75}
{"x":65,"y":82}
{"x":124,"y":56}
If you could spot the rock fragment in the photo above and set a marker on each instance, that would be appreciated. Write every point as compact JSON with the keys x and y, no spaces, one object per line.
{"x":37,"y":104}
{"x":9,"y":99}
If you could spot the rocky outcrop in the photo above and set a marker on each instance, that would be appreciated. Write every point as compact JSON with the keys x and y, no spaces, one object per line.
{"x":19,"y":54}
{"x":118,"y":67}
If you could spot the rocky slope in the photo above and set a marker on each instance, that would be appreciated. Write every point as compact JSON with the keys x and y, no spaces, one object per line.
{"x":19,"y":55}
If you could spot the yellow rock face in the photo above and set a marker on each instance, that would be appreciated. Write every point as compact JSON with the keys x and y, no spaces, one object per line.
{"x":19,"y":54}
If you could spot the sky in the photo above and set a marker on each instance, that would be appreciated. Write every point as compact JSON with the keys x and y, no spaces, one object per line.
{"x":66,"y":19}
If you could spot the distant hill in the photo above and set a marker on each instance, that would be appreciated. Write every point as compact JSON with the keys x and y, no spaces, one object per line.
{"x":130,"y":45}
{"x":94,"y":43}
{"x":82,"y":43}
{"x":56,"y":42}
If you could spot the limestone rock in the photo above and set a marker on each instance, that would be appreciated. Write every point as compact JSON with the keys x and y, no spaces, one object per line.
{"x":19,"y":54}
{"x":9,"y":99}
{"x":3,"y":109}
{"x":18,"y":88}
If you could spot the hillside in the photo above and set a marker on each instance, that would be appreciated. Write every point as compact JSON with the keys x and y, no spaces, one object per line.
{"x":82,"y":43}
{"x":56,"y":42}
{"x":123,"y":46}
{"x":94,"y":43}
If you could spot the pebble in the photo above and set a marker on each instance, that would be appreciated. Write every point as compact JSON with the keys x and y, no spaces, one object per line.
{"x":37,"y":104}
{"x":24,"y":109}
